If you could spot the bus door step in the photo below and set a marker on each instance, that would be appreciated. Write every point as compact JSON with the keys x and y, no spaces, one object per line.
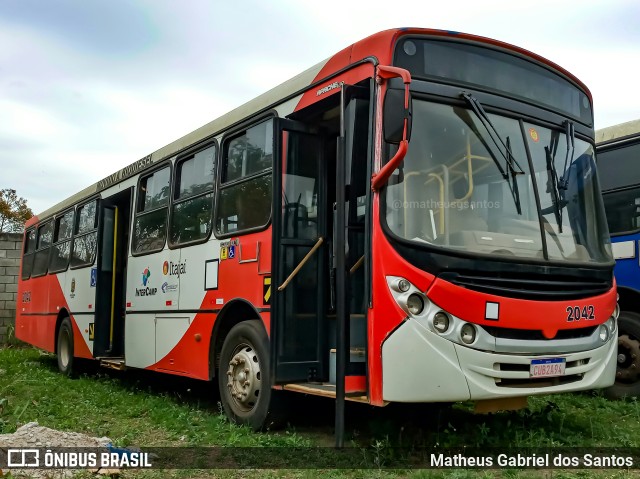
{"x":113,"y":363}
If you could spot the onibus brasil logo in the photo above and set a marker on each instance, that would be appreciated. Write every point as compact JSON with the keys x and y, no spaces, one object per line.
{"x":146,"y":289}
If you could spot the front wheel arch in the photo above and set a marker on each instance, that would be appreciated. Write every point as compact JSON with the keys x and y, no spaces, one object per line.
{"x":232,"y":313}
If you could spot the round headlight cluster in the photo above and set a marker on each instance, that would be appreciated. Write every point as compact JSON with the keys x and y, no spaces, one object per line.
{"x":441,"y":322}
{"x":468,"y":333}
{"x":415,"y":304}
{"x":404,"y":285}
{"x":401,"y":285}
{"x":603,"y":332}
{"x":611,"y":325}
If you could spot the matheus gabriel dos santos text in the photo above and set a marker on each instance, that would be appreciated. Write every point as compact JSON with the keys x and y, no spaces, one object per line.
{"x":532,"y":460}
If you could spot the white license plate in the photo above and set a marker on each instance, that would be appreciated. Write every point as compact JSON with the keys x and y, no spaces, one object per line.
{"x":547,"y":368}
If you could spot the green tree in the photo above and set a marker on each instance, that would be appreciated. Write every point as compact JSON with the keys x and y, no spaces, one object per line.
{"x":13,"y":211}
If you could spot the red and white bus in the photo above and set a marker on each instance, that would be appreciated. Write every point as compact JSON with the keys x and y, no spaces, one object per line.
{"x":415,"y":219}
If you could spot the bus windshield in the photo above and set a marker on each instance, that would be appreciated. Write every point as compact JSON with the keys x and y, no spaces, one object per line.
{"x":457,"y":188}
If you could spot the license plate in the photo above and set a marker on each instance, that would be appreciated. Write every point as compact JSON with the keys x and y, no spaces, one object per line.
{"x":547,"y":368}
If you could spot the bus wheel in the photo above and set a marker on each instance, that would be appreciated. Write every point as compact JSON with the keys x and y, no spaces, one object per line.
{"x":243,"y":375}
{"x":628,"y":370}
{"x":65,"y":347}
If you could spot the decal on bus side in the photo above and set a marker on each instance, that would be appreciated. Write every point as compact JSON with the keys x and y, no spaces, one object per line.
{"x":266,"y":289}
{"x":146,"y":290}
{"x":174,"y":269}
{"x":228,"y":249}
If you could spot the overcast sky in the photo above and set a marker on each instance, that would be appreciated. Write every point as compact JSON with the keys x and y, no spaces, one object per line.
{"x":89,"y":86}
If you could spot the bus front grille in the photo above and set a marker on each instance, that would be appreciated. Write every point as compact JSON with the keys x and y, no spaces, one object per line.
{"x":553,"y":289}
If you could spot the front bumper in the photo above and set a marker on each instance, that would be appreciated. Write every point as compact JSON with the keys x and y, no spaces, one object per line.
{"x":420,"y":366}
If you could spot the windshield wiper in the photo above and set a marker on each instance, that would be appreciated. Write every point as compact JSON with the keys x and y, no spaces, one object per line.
{"x":514,"y":181}
{"x":552,"y":180}
{"x":512,"y":166}
{"x":570,"y":134}
{"x":558,"y":186}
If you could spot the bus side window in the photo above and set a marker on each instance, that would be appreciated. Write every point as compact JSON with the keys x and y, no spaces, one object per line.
{"x":61,"y":251}
{"x":244,"y":199}
{"x":193,"y":198}
{"x":41,"y":258}
{"x":29,"y":250}
{"x":86,"y":237}
{"x":150,"y":228}
{"x":623,"y":210}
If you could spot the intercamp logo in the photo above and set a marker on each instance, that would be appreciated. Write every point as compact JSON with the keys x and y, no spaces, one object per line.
{"x":146,"y":290}
{"x":146,"y":274}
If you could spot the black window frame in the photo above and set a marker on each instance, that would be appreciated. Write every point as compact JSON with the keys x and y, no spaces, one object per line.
{"x":28,"y":255}
{"x":222,"y":165}
{"x":56,"y":241}
{"x":75,"y":235}
{"x":176,"y":191}
{"x":137,"y":204}
{"x":44,"y":224}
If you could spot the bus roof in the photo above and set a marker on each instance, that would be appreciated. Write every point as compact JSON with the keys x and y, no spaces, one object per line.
{"x":615,"y":133}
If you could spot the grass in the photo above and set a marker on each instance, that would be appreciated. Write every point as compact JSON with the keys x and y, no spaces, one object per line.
{"x":139,"y":408}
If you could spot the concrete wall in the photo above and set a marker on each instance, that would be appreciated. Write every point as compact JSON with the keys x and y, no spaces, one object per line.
{"x":10,"y":253}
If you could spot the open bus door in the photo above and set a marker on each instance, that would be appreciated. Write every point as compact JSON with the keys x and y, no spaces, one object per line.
{"x":110,"y":275}
{"x":320,"y":198}
{"x":298,"y":331}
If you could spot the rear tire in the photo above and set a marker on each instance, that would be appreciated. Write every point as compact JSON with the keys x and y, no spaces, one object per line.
{"x":244,"y":376}
{"x":628,"y":370}
{"x":64,"y":348}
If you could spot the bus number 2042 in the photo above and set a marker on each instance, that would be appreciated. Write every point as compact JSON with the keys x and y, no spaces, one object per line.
{"x":575,"y":313}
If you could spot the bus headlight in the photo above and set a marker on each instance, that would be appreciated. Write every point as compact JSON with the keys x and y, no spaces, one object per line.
{"x":611,"y":325}
{"x":441,"y":322}
{"x":401,"y":285}
{"x":603,"y":333}
{"x":415,"y":304}
{"x":468,"y":333}
{"x":411,"y":299}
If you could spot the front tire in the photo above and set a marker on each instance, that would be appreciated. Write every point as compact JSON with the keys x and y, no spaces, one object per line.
{"x":244,"y":375}
{"x":628,"y":370}
{"x":65,"y":348}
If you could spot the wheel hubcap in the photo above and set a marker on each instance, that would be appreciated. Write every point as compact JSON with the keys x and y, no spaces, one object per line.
{"x":243,"y":377}
{"x":628,"y":354}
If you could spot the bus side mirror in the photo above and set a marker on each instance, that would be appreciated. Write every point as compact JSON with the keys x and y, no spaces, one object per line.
{"x":394,"y":114}
{"x":396,"y":125}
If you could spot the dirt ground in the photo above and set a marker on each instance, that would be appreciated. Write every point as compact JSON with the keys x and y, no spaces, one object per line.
{"x":32,"y":435}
